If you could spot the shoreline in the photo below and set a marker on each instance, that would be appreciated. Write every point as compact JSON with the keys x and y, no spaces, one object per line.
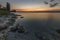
{"x":3,"y":32}
{"x":38,"y":11}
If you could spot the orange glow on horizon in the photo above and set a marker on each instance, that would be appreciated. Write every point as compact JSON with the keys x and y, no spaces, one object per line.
{"x":34,"y":8}
{"x":45,"y":9}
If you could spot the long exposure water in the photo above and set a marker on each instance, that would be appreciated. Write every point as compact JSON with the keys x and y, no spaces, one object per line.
{"x":40,"y":26}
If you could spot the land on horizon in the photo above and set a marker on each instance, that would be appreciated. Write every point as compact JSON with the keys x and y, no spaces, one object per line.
{"x":52,"y":11}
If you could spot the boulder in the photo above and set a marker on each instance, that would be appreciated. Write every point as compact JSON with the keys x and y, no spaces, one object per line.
{"x":58,"y":31}
{"x":21,"y":29}
{"x":21,"y":17}
{"x":3,"y":27}
{"x":13,"y":29}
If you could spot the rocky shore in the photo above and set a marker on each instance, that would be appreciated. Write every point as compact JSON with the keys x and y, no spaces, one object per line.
{"x":5,"y":23}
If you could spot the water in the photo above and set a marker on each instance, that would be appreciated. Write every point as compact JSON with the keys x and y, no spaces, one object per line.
{"x":39,"y":15}
{"x":40,"y":26}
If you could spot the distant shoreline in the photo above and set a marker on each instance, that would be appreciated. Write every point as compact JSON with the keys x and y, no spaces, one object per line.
{"x":38,"y":11}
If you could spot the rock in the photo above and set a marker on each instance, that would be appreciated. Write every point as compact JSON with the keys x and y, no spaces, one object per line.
{"x":3,"y":27}
{"x":58,"y":31}
{"x":3,"y":32}
{"x":13,"y":29}
{"x":21,"y":29}
{"x":21,"y":17}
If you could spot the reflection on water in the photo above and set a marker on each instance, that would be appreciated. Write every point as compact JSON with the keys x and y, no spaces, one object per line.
{"x":40,"y":15}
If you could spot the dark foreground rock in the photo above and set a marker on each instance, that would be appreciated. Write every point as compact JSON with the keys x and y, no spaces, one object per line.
{"x":21,"y":29}
{"x":22,"y":17}
{"x":18,"y":28}
{"x":2,"y":28}
{"x":58,"y":31}
{"x":13,"y":29}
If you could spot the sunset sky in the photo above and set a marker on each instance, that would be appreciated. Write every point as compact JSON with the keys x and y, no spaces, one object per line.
{"x":30,"y":4}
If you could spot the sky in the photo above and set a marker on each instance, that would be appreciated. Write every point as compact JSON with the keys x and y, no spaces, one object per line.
{"x":30,"y":4}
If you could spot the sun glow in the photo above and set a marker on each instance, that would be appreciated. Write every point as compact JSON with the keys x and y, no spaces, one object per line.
{"x":33,"y":9}
{"x":36,"y":8}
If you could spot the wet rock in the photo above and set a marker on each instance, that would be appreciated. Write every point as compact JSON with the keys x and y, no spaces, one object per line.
{"x":13,"y":29}
{"x":21,"y":29}
{"x":3,"y":27}
{"x":3,"y":32}
{"x":21,"y":17}
{"x":58,"y":31}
